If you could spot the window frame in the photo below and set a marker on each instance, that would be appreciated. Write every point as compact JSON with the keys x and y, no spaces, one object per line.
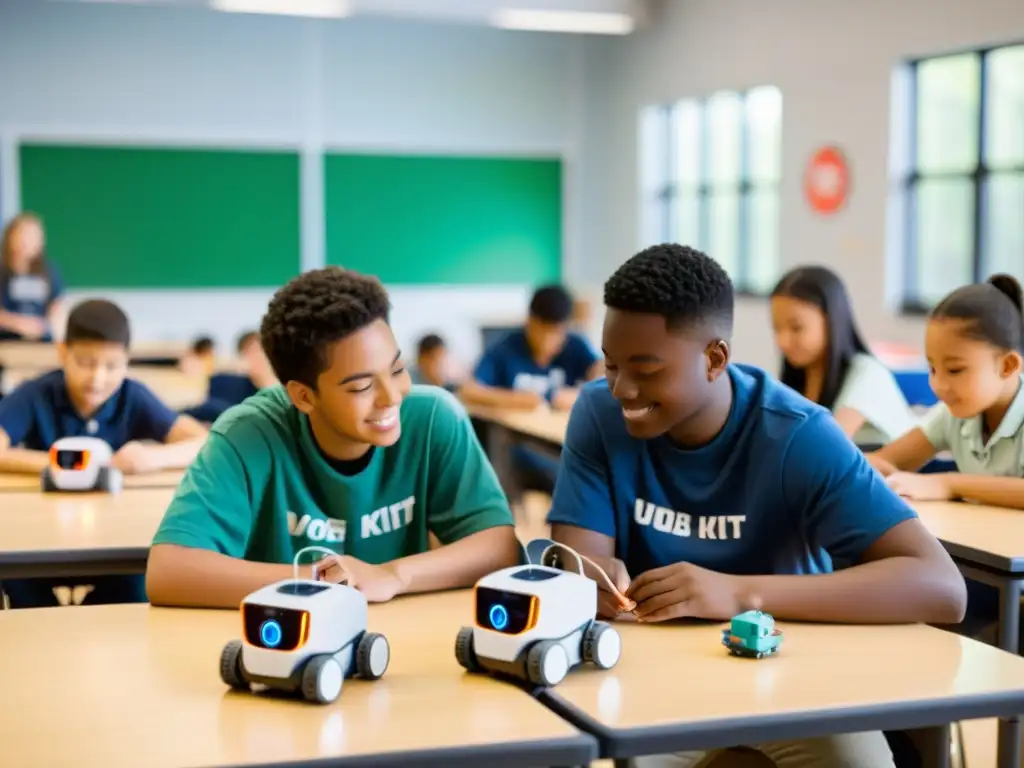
{"x":978,"y":175}
{"x":668,"y":190}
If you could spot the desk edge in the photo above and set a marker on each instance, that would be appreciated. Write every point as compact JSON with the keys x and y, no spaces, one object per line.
{"x":774,"y":726}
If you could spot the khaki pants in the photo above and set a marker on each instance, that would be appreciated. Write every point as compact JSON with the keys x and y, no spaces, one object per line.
{"x":848,"y":750}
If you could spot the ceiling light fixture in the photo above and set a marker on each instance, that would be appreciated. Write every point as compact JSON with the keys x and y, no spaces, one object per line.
{"x":327,"y":9}
{"x":564,"y":21}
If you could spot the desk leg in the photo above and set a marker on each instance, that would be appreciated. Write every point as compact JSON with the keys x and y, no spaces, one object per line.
{"x":1009,"y":616}
{"x":1009,"y":640}
{"x":1009,"y":743}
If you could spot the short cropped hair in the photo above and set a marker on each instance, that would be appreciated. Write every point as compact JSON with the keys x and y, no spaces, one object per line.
{"x":313,"y":311}
{"x":98,"y":320}
{"x":244,"y":339}
{"x":429,"y":343}
{"x":202,"y":345}
{"x":551,"y":304}
{"x":686,"y":287}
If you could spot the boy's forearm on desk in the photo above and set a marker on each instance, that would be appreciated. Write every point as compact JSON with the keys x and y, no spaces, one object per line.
{"x":459,"y":564}
{"x":895,"y":590}
{"x":983,"y":489}
{"x":176,"y":455}
{"x":23,"y":461}
{"x":198,"y":578}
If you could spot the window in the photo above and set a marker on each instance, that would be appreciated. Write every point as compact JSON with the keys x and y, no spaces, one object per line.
{"x":962,"y":186}
{"x":710,"y":173}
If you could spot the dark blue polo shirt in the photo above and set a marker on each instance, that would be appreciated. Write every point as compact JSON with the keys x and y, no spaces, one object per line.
{"x":29,"y":295}
{"x":40,"y":412}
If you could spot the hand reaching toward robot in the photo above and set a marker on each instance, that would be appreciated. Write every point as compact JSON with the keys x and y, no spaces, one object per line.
{"x":684,"y":590}
{"x":379,"y":583}
{"x":134,"y":458}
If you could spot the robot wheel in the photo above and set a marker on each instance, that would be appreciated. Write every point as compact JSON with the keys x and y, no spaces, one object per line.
{"x":231,"y":666}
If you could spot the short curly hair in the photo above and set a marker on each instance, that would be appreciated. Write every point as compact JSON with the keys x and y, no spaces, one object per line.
{"x":680,"y":283}
{"x":313,"y":311}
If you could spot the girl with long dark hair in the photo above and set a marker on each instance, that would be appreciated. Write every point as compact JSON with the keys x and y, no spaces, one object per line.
{"x":825,"y":359}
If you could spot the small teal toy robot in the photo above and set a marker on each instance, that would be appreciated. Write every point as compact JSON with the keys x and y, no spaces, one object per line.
{"x":752,"y":634}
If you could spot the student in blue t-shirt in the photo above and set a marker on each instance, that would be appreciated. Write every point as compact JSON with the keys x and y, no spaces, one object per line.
{"x":90,"y":396}
{"x":31,"y":308}
{"x":542,"y":361}
{"x":706,"y":487}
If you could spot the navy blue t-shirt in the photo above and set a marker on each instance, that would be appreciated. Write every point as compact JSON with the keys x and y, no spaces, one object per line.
{"x":780,"y":490}
{"x":28,"y":295}
{"x":40,"y":412}
{"x":509,"y":364}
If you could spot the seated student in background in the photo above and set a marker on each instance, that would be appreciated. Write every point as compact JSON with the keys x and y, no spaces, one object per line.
{"x":347,"y":455}
{"x":31,"y":307}
{"x":201,"y":358}
{"x":973,"y":343}
{"x":432,"y":363}
{"x":91,"y":396}
{"x":228,"y":389}
{"x":704,"y":487}
{"x":826,"y":360}
{"x":542,"y":361}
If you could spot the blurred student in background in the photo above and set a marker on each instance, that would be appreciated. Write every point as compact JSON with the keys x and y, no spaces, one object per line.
{"x":227,"y":389}
{"x":544,"y":360}
{"x":201,"y":359}
{"x":825,"y":359}
{"x":432,"y":363}
{"x":31,"y":308}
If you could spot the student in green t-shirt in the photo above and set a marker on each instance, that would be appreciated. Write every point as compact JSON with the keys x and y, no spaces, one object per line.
{"x":346,"y":454}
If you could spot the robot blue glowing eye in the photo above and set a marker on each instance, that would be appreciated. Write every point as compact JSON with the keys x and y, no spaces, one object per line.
{"x":270,"y":633}
{"x":498,"y":617}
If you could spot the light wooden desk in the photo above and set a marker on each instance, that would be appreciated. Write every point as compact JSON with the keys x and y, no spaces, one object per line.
{"x":131,"y":685}
{"x":987,"y":544}
{"x":502,"y":429}
{"x":176,"y":389}
{"x":37,"y":355}
{"x":826,"y":680}
{"x":29,"y":483}
{"x":78,"y":535}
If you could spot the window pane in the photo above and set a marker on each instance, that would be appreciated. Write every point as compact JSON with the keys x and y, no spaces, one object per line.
{"x":947,"y":113}
{"x":686,"y":220}
{"x":724,"y":127}
{"x":1004,"y":90}
{"x":1003,"y":229}
{"x":764,"y":127}
{"x":653,"y":130}
{"x":723,"y":231}
{"x":763,"y":240}
{"x":653,"y":149}
{"x":686,"y":135}
{"x":944,"y":229}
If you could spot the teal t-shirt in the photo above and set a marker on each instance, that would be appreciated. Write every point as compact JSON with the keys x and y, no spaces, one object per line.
{"x":260,"y":489}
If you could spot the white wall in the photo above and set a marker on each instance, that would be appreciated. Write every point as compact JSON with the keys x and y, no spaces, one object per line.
{"x":833,"y":60}
{"x":85,"y":71}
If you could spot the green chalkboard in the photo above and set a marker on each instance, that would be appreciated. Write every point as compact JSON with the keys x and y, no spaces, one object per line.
{"x":417,"y":220}
{"x":134,"y":217}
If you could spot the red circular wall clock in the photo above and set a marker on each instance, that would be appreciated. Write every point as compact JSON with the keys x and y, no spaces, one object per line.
{"x":827,"y":180}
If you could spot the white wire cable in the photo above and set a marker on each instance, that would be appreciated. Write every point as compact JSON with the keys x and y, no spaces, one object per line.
{"x":331,"y":554}
{"x":550,"y":552}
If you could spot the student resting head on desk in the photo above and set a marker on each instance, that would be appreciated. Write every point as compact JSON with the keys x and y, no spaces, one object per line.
{"x":91,"y":396}
{"x":706,"y":487}
{"x":346,"y":454}
{"x":31,"y":308}
{"x":825,"y":359}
